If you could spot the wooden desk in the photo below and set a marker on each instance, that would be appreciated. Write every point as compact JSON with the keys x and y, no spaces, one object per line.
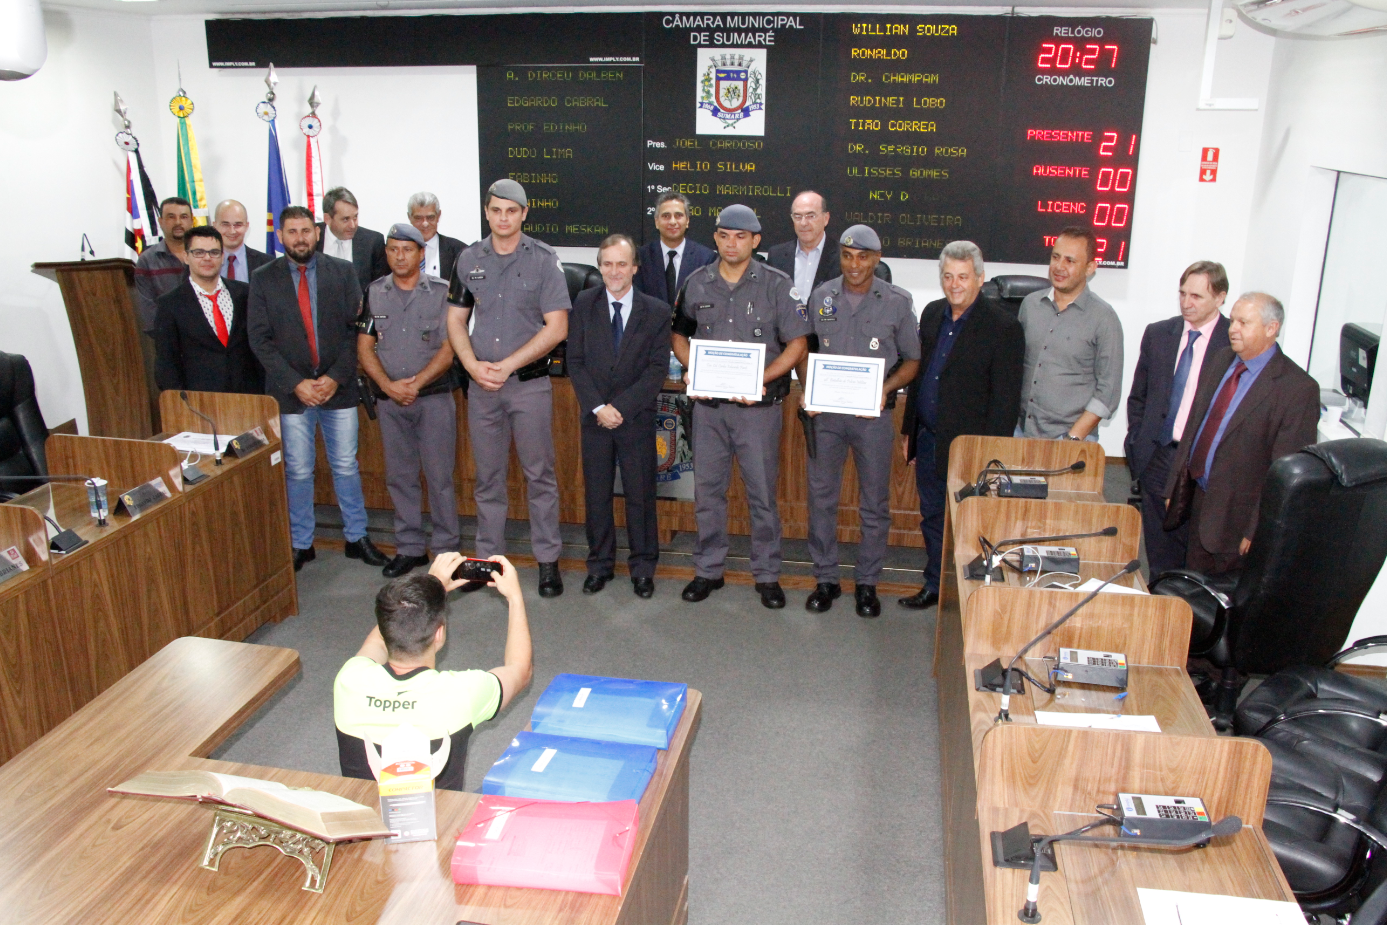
{"x":213,"y":560}
{"x":969,"y":455}
{"x":70,"y":852}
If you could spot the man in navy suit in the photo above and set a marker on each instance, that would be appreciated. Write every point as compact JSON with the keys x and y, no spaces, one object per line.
{"x":1163,"y":389}
{"x":809,"y":260}
{"x":618,"y":354}
{"x":667,"y":262}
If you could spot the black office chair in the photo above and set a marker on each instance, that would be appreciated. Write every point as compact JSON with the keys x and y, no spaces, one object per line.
{"x":1008,"y":291}
{"x":22,"y":431}
{"x":1319,"y":546}
{"x":578,"y":276}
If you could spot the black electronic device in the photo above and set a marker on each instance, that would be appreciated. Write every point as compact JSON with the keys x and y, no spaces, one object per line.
{"x":1024,"y":486}
{"x":988,"y":563}
{"x":1358,"y":359}
{"x":996,"y":473}
{"x":1045,"y":559}
{"x":989,"y":678}
{"x":216,"y":450}
{"x":477,"y":570}
{"x":1085,"y":666}
{"x":192,"y":475}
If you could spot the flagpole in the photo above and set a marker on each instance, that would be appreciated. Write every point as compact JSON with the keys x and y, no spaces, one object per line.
{"x":277,"y":181}
{"x":141,"y":230}
{"x":311,"y":125}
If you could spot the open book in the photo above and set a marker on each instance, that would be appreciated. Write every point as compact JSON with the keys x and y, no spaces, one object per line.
{"x":322,"y":815}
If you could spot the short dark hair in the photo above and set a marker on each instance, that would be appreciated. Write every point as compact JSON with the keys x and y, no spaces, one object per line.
{"x":672,"y":196}
{"x":202,"y":231}
{"x":1214,"y":272}
{"x":409,"y":611}
{"x":335,"y":195}
{"x":289,"y":212}
{"x":612,"y":240}
{"x":1090,"y":239}
{"x":177,"y":201}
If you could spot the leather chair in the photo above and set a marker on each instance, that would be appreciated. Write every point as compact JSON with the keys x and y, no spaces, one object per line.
{"x":22,"y":431}
{"x":883,"y":271}
{"x":578,"y":276}
{"x":1318,"y":548}
{"x":1010,"y":290}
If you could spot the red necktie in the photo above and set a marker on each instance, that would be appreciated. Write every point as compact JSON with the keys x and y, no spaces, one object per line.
{"x":231,"y":267}
{"x":306,"y":310}
{"x":1199,"y":459}
{"x":222,"y":334}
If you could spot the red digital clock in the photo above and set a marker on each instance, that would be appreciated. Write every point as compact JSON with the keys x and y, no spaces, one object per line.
{"x":1063,"y":57}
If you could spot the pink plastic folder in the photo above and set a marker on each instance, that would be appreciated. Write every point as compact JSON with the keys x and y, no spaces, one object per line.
{"x":546,"y":845}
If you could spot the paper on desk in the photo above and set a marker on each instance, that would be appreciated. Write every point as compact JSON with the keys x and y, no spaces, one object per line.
{"x":1170,"y":907}
{"x":1138,"y":723}
{"x":199,"y":443}
{"x":1120,"y":589}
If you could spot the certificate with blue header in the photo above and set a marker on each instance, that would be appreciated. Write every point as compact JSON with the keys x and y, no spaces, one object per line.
{"x":726,"y":369}
{"x":844,"y":385}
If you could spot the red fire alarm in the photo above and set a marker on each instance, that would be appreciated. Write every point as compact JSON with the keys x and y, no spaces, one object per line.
{"x":1208,"y":165}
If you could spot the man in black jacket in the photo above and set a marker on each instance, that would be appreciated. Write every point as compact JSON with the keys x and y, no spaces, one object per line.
{"x":341,"y":236}
{"x":200,"y":339}
{"x":618,"y":356}
{"x":440,"y":251}
{"x":303,"y":314}
{"x":971,"y":358}
{"x":809,"y":260}
{"x":667,"y":261}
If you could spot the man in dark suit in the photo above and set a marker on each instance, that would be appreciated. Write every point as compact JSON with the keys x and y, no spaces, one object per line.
{"x":303,"y":314}
{"x":239,"y":259}
{"x":971,"y":355}
{"x":340,"y":236}
{"x":440,"y":251}
{"x":1254,"y":405}
{"x":1163,"y":389}
{"x":809,"y":259}
{"x":666,"y":262}
{"x":618,"y":355}
{"x":200,"y":339}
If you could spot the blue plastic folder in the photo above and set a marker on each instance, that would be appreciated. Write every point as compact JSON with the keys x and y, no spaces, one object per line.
{"x":610,"y":709}
{"x":545,"y":767}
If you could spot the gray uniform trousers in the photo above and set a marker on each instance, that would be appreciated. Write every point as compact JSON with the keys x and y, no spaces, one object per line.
{"x":525,"y":411}
{"x":422,"y":435}
{"x":872,"y":441}
{"x":753,"y":435}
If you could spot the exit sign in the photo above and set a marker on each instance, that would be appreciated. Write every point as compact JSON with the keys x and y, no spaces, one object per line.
{"x":1208,"y":165}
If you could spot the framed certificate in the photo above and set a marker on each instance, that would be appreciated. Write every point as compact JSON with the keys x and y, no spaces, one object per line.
{"x":844,"y":385}
{"x":726,"y":369}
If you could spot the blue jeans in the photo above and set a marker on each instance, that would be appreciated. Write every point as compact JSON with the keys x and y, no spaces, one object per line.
{"x":300,"y":455}
{"x":931,"y":488}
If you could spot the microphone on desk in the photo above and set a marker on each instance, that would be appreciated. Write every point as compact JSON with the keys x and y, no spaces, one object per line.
{"x":983,"y":566}
{"x":979,"y":486}
{"x":1003,"y":715}
{"x":1030,"y":912}
{"x":216,"y":450}
{"x":68,"y":540}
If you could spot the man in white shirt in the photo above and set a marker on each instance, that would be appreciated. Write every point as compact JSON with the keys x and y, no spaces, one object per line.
{"x":241,"y":260}
{"x":803,"y":259}
{"x":341,"y":236}
{"x":440,"y":251}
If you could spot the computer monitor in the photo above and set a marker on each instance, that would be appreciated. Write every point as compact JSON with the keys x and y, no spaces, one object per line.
{"x":1357,"y":357}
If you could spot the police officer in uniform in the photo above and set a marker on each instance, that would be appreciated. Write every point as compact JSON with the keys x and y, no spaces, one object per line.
{"x":862,"y":316}
{"x":402,"y":343}
{"x":739,"y":299}
{"x":513,"y":286}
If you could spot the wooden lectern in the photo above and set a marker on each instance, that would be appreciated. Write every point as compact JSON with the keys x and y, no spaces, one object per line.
{"x":116,"y":358}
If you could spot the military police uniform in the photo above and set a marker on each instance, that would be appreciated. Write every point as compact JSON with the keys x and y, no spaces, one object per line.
{"x":410,"y":327}
{"x":509,"y":295}
{"x":763,"y":307}
{"x":880,"y":323}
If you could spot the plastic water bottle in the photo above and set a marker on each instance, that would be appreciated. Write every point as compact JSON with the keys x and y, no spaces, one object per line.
{"x":676,"y":371}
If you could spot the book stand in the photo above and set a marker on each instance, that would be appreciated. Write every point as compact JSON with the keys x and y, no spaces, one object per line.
{"x":232,"y":829}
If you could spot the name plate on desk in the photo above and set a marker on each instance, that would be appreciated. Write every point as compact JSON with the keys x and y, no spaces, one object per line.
{"x":245,"y":443}
{"x":11,"y":563}
{"x":143,"y":497}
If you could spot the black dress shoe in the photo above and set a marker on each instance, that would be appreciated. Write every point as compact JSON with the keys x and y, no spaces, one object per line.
{"x":303,"y":555}
{"x":919,"y":600}
{"x":550,"y":581}
{"x":594,"y":583}
{"x":644,"y":587}
{"x":771,"y":594}
{"x":403,"y":565}
{"x":868,"y":605}
{"x":699,"y":589}
{"x":366,"y":551}
{"x":825,"y":593}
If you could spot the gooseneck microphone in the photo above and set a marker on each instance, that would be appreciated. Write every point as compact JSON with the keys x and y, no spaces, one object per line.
{"x":68,"y":540}
{"x":216,"y":450}
{"x":992,"y":559}
{"x":1004,"y":715}
{"x":995,"y":467}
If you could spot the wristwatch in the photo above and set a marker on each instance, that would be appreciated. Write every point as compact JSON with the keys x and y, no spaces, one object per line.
{"x":1072,"y":437}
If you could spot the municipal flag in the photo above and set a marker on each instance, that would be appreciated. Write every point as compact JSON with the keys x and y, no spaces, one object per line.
{"x":276,"y":195}
{"x":190,"y":185}
{"x":141,"y":207}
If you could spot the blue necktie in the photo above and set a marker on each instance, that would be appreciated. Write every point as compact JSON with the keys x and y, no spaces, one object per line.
{"x":617,"y":326}
{"x":1177,"y":389}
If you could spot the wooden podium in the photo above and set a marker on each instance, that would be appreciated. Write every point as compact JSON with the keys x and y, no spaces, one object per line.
{"x":116,"y":358}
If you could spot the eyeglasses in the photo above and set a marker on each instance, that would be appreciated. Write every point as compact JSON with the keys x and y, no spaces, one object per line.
{"x":201,"y":254}
{"x":234,"y":226}
{"x":804,"y":216}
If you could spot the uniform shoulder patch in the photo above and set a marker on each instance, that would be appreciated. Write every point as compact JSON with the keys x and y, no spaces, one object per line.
{"x":794,"y":294}
{"x":772,"y":271}
{"x":544,"y":247}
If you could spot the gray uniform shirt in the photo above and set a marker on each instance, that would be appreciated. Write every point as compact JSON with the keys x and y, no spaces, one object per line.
{"x":410,"y":325}
{"x":763,"y":308}
{"x":882,"y":324}
{"x":1073,"y":362}
{"x":509,"y":294}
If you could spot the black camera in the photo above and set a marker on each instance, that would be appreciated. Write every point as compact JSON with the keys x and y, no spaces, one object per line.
{"x":477,"y":570}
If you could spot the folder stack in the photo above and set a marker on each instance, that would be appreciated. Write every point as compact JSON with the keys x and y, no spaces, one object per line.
{"x":547,"y":767}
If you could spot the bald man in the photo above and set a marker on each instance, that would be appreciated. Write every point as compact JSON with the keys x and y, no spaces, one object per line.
{"x":240,"y":261}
